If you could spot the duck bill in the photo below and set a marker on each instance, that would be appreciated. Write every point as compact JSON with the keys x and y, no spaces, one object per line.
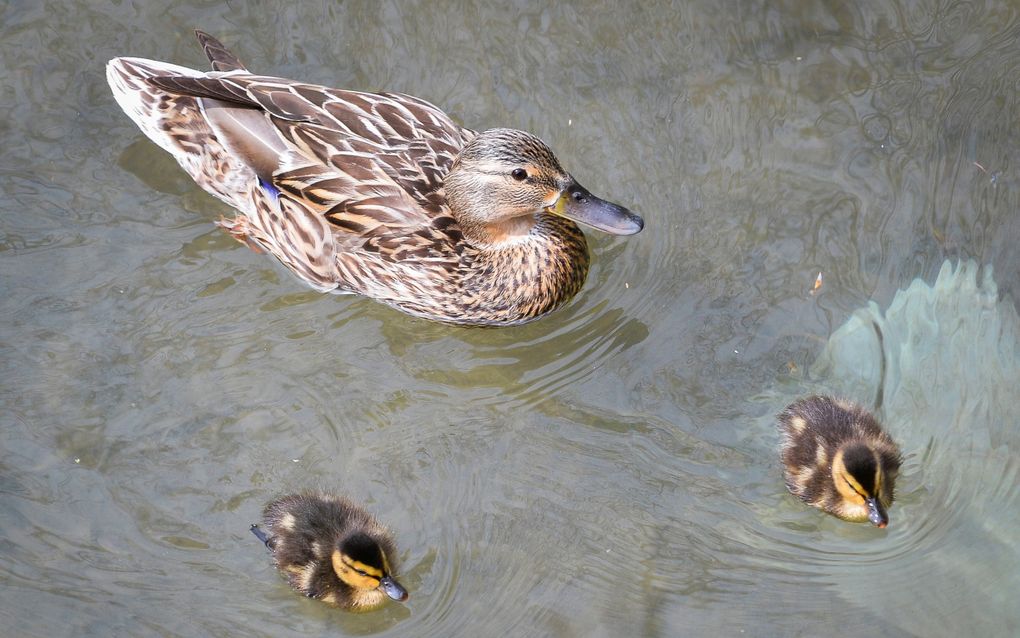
{"x":577,"y":204}
{"x":393,"y":589}
{"x":876,"y":513}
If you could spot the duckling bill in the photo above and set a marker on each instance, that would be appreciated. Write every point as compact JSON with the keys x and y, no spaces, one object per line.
{"x":377,"y":194}
{"x":838,"y":458}
{"x":331,"y":549}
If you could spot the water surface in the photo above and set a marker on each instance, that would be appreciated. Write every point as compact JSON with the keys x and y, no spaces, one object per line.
{"x":609,"y":470}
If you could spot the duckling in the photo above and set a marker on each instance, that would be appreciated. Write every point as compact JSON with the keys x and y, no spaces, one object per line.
{"x":838,"y":458}
{"x":331,"y":549}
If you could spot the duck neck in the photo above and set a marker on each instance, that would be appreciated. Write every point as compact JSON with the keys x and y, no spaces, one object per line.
{"x":492,"y":236}
{"x":532,"y":275}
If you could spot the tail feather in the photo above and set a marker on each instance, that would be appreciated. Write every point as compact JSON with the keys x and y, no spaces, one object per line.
{"x":150,"y":107}
{"x":221,"y":58}
{"x":177,"y":123}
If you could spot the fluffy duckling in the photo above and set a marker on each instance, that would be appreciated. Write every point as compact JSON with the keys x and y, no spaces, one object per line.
{"x":331,"y":549}
{"x":838,"y":458}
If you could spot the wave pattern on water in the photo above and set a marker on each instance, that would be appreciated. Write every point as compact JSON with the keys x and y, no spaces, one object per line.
{"x":609,"y":470}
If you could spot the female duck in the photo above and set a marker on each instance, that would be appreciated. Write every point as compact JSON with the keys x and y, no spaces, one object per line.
{"x":838,"y":458}
{"x":377,"y":194}
{"x":331,"y":549}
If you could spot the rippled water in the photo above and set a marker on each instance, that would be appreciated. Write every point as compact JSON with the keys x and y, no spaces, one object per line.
{"x":609,"y":470}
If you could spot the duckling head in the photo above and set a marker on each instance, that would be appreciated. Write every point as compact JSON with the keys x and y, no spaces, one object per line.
{"x":858,"y":474}
{"x":361,"y":563}
{"x":504,"y":177}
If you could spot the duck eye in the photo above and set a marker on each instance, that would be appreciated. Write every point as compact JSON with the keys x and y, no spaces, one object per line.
{"x":851,"y":485}
{"x":519,"y":174}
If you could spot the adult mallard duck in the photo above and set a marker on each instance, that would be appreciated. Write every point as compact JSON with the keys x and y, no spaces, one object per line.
{"x":838,"y":459}
{"x":332,"y":550}
{"x":379,"y":194}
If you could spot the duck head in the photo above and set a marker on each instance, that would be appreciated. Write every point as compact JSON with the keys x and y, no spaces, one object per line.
{"x":361,"y":563}
{"x":503,"y":178}
{"x":863,"y":482}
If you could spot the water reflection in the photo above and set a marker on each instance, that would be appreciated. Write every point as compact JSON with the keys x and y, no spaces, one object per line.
{"x":950,"y":375}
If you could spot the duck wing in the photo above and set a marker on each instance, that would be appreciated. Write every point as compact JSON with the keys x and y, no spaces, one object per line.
{"x":372,"y":163}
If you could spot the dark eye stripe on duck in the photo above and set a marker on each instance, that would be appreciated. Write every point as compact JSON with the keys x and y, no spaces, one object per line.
{"x":361,"y":568}
{"x":860,"y":463}
{"x":517,"y":170}
{"x":856,"y":488}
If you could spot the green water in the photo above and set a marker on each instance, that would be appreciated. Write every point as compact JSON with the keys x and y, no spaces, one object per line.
{"x":609,"y":470}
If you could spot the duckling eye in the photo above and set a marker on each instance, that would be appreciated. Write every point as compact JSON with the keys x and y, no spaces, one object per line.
{"x":851,"y":486}
{"x":519,"y":174}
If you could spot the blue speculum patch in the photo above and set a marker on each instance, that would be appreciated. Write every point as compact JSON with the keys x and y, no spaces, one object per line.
{"x":269,"y":188}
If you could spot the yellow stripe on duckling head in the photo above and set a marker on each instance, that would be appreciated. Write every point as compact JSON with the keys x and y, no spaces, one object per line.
{"x":355,"y":573}
{"x":847,"y":486}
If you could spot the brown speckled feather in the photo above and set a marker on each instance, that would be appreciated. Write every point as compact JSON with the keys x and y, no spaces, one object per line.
{"x":384,"y":147}
{"x":346,"y":189}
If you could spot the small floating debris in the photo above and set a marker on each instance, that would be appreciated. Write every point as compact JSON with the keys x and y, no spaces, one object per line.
{"x":818,"y":284}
